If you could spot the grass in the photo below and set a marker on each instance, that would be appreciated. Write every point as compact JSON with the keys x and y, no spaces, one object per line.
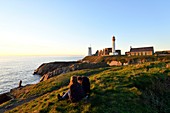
{"x":125,"y":59}
{"x":127,"y":89}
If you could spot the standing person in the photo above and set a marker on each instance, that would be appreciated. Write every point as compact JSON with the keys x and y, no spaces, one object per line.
{"x":75,"y":92}
{"x":20,"y":83}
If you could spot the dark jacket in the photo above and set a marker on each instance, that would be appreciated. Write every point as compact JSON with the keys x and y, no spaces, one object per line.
{"x":86,"y":85}
{"x":76,"y":92}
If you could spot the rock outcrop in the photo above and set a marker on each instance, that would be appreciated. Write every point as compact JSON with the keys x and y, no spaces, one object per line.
{"x":4,"y":98}
{"x":49,"y":67}
{"x":168,"y":65}
{"x":50,"y":70}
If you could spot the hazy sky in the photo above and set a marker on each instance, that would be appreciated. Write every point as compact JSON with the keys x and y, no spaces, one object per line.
{"x":68,"y":27}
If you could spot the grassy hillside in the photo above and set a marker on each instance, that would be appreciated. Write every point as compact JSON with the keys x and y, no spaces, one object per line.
{"x":124,"y":59}
{"x":128,"y":89}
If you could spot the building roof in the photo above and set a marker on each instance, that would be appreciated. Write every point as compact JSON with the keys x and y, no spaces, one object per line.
{"x":141,"y":49}
{"x":108,"y":48}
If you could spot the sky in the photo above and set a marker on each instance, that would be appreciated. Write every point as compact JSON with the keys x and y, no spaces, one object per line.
{"x":69,"y":27}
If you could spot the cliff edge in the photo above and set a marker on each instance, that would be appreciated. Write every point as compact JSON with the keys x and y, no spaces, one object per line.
{"x":49,"y":67}
{"x":48,"y":70}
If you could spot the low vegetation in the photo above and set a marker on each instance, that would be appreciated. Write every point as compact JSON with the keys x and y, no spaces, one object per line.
{"x":125,"y":59}
{"x":126,"y":89}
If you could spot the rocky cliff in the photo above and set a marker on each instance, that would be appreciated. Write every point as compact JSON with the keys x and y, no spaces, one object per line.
{"x":5,"y":97}
{"x":48,"y":70}
{"x":49,"y":67}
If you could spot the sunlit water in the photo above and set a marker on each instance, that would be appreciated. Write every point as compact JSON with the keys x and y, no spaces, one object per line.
{"x":14,"y":69}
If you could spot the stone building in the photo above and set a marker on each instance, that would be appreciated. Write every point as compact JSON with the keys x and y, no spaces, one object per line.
{"x":106,"y":52}
{"x":142,"y":51}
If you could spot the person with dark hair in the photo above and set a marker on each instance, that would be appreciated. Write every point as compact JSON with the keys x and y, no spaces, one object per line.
{"x":84,"y":81}
{"x":75,"y":92}
{"x":80,"y":79}
{"x":86,"y":85}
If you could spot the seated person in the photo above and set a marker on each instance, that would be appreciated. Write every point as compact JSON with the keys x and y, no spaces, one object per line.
{"x":84,"y":81}
{"x":75,"y":92}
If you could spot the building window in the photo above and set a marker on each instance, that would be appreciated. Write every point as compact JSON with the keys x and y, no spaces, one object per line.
{"x":148,"y":53}
{"x":144,"y":53}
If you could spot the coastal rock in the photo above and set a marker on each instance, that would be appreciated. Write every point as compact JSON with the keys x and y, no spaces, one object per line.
{"x":49,"y":67}
{"x":73,"y":67}
{"x":4,"y":98}
{"x":168,"y":65}
{"x":115,"y":63}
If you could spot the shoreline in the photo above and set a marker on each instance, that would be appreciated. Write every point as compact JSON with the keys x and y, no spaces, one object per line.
{"x":15,"y":68}
{"x":51,"y":69}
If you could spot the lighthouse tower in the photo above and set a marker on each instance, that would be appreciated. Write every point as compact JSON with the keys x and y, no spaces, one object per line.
{"x":89,"y":51}
{"x":113,"y":45}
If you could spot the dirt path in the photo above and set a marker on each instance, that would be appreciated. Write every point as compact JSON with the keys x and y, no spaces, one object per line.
{"x":15,"y":104}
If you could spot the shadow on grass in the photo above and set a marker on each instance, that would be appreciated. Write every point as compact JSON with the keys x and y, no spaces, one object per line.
{"x":95,"y":71}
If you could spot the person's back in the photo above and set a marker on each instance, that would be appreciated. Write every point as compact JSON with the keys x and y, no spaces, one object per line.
{"x":86,"y":85}
{"x":76,"y":92}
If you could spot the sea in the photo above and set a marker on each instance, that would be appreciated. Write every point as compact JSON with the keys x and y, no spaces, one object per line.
{"x":16,"y":68}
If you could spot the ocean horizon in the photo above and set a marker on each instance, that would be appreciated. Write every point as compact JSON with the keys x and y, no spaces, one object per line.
{"x":16,"y":68}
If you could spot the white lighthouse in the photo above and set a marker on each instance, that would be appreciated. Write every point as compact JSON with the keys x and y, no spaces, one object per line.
{"x":89,"y":51}
{"x":113,"y":45}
